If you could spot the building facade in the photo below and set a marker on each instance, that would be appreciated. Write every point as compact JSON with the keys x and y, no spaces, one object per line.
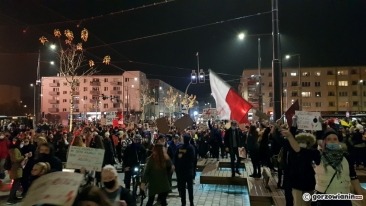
{"x":158,"y":108}
{"x":98,"y":94}
{"x":93,"y":96}
{"x":324,"y":89}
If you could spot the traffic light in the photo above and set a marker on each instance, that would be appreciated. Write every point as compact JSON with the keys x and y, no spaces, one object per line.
{"x":201,"y":76}
{"x":194,"y":77}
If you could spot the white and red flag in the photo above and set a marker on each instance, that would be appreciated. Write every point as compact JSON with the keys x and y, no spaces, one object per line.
{"x":229,"y":104}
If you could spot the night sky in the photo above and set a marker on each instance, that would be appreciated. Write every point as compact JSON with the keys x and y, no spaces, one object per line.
{"x":162,"y":40}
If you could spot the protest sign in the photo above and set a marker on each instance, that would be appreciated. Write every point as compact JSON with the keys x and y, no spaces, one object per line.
{"x":56,"y":188}
{"x":182,"y":123}
{"x":85,"y":157}
{"x":163,"y":125}
{"x":308,"y":120}
{"x":209,"y":113}
{"x":109,"y":117}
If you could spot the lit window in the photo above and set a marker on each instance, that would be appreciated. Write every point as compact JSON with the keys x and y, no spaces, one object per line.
{"x":342,"y":72}
{"x":306,"y":74}
{"x":317,"y":74}
{"x":293,"y":74}
{"x":305,"y":94}
{"x":331,"y":83}
{"x":343,"y":83}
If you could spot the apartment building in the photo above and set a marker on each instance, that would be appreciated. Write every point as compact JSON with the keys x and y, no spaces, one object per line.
{"x":97,"y":94}
{"x":94,"y":94}
{"x":324,"y":89}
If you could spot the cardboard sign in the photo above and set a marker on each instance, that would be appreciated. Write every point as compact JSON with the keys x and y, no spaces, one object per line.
{"x":182,"y":123}
{"x":85,"y":157}
{"x":209,"y":113}
{"x":163,"y":125}
{"x":308,"y":120}
{"x":56,"y":188}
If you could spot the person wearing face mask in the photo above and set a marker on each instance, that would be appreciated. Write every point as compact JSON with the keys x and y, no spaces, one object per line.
{"x":233,"y":140}
{"x":45,"y":153}
{"x":335,"y":172}
{"x":27,"y":148}
{"x":133,"y":156}
{"x":113,"y":190}
{"x":300,"y":159}
{"x":4,"y":150}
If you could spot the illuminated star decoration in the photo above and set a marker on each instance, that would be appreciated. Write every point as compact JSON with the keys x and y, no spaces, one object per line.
{"x":91,"y":63}
{"x":57,"y":33}
{"x":107,"y":60}
{"x":79,"y":46}
{"x":84,"y":35}
{"x":43,"y":40}
{"x":69,"y":35}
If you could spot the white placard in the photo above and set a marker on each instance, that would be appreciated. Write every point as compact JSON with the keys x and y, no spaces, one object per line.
{"x":208,"y":113}
{"x":56,"y":188}
{"x":308,"y":120}
{"x":109,"y":117}
{"x":85,"y":157}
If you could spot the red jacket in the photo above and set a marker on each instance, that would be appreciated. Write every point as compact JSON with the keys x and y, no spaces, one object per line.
{"x":4,"y":148}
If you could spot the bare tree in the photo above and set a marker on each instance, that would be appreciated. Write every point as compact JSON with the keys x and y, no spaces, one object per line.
{"x":72,"y":62}
{"x":170,"y":101}
{"x":189,"y":101}
{"x":146,"y":98}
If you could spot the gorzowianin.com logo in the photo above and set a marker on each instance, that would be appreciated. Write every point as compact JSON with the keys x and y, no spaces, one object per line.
{"x":315,"y":197}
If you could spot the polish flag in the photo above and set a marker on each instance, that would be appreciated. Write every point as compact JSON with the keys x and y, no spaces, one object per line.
{"x":229,"y":104}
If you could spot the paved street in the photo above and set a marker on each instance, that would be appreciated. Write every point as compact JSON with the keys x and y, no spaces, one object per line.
{"x":204,"y":195}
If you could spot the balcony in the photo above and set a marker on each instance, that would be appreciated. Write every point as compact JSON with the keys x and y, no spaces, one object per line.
{"x":54,"y":84}
{"x":96,"y":93}
{"x":76,"y":101}
{"x":75,"y":93}
{"x":116,"y":92}
{"x":53,"y":101}
{"x":53,"y":110}
{"x":95,"y":83}
{"x":93,"y":101}
{"x":116,"y":105}
{"x":53,"y":93}
{"x":116,"y":83}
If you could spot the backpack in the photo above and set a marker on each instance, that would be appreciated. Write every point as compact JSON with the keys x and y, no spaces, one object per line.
{"x":7,"y":164}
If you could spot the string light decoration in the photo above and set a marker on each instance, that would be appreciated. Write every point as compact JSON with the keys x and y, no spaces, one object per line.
{"x":71,"y":61}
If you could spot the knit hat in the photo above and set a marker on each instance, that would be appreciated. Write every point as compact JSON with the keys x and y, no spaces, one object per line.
{"x":328,"y":132}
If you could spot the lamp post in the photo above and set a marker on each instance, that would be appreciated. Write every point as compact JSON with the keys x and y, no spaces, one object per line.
{"x":299,"y":73}
{"x":38,"y":86}
{"x":34,"y":105}
{"x":241,"y":36}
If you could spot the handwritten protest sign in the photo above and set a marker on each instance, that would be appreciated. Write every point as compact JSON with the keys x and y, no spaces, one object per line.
{"x":56,"y":188}
{"x":308,"y":120}
{"x":109,"y":117}
{"x":209,"y":113}
{"x":85,"y":157}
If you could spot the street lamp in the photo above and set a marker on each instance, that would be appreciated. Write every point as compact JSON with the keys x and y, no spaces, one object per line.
{"x":38,"y":83}
{"x":288,"y":56}
{"x":241,"y":36}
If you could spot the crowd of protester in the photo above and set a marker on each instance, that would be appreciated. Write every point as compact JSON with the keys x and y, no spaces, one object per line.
{"x":323,"y":161}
